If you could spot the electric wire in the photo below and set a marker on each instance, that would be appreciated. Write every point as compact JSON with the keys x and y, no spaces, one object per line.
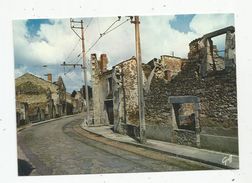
{"x":75,"y":46}
{"x":88,"y":24}
{"x":108,"y":30}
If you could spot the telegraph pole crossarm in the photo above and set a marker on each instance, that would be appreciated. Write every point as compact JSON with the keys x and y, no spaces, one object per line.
{"x":74,"y":65}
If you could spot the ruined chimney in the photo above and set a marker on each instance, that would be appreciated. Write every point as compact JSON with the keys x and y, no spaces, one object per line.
{"x":103,"y":62}
{"x":93,"y":56}
{"x":49,"y":77}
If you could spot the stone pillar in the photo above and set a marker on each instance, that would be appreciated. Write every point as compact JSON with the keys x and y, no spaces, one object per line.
{"x":49,"y":102}
{"x":197,"y":124}
{"x":103,"y":62}
{"x":229,"y":58}
{"x":206,"y":56}
{"x":96,"y":90}
{"x":117,"y":99}
{"x":49,"y":77}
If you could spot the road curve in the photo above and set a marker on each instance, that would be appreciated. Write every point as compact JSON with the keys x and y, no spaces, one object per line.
{"x":55,"y":148}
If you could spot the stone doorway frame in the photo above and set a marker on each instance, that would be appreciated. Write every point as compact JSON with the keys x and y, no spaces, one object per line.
{"x":182,"y":100}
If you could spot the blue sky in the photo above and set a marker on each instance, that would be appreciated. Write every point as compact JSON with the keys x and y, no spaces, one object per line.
{"x":33,"y":25}
{"x":39,"y":42}
{"x":182,"y":23}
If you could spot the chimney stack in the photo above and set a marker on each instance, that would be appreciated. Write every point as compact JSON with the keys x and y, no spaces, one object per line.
{"x":103,"y":62}
{"x":49,"y":77}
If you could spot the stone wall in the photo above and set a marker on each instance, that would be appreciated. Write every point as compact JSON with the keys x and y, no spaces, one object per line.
{"x":38,"y":82}
{"x":129,"y":70}
{"x":172,"y":66}
{"x":208,"y":76}
{"x":101,"y":90}
{"x":125,"y":93}
{"x":184,"y":137}
{"x":44,"y":98}
{"x":219,"y":143}
{"x":217,"y":93}
{"x":158,"y":111}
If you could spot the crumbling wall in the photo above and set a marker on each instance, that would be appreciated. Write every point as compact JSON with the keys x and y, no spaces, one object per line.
{"x":127,"y":94}
{"x":217,"y":93}
{"x":129,"y":70}
{"x":100,"y":89}
{"x":33,"y":90}
{"x":218,"y":115}
{"x":172,"y":66}
{"x":36,"y":81}
{"x":157,"y":108}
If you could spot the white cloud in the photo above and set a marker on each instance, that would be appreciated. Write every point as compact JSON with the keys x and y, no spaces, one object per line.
{"x":50,"y":46}
{"x":203,"y":24}
{"x":118,"y":44}
{"x":20,"y":71}
{"x":159,"y":38}
{"x":55,"y":41}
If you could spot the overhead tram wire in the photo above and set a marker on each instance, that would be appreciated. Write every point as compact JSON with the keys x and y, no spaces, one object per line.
{"x":78,"y":41}
{"x":108,"y":30}
{"x":118,"y":25}
{"x":75,"y":46}
{"x":70,"y":70}
{"x":76,"y":57}
{"x":88,"y":24}
{"x":73,"y":80}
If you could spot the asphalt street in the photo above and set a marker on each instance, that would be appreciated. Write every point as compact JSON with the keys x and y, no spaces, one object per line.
{"x":55,"y":148}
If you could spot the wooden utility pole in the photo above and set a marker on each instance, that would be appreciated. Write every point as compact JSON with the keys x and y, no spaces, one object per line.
{"x":85,"y":70}
{"x":84,"y":65}
{"x":140,"y":82}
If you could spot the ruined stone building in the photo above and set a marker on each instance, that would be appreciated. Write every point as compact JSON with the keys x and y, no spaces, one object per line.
{"x":189,"y":101}
{"x":38,"y":99}
{"x":102,"y":91}
{"x":78,"y":102}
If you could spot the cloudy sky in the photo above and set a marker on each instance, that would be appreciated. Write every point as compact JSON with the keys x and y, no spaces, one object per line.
{"x":41,"y":45}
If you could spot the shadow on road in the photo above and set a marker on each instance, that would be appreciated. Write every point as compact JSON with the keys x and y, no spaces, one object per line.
{"x":24,"y":168}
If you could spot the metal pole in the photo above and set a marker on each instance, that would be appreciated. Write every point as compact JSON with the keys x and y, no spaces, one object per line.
{"x":140,"y":82}
{"x":85,"y":71}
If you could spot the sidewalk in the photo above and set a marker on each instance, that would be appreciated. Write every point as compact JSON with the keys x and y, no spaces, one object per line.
{"x":219,"y":159}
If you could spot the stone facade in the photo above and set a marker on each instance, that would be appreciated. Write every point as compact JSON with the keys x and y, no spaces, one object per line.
{"x":78,"y":103}
{"x":102,"y":91}
{"x":125,"y":94}
{"x":115,"y":93}
{"x":22,"y":113}
{"x":217,"y":93}
{"x":216,"y":89}
{"x":205,"y":75}
{"x":44,"y":99}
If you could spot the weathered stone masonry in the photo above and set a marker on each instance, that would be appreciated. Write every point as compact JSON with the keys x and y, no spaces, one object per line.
{"x":216,"y":89}
{"x":204,"y":75}
{"x":125,"y":95}
{"x":38,"y":99}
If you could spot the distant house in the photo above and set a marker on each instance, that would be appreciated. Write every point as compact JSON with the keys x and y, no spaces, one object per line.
{"x":69,"y":104}
{"x":78,"y":102}
{"x":38,"y":99}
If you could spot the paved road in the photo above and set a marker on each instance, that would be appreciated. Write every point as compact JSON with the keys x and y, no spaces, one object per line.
{"x":55,"y":148}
